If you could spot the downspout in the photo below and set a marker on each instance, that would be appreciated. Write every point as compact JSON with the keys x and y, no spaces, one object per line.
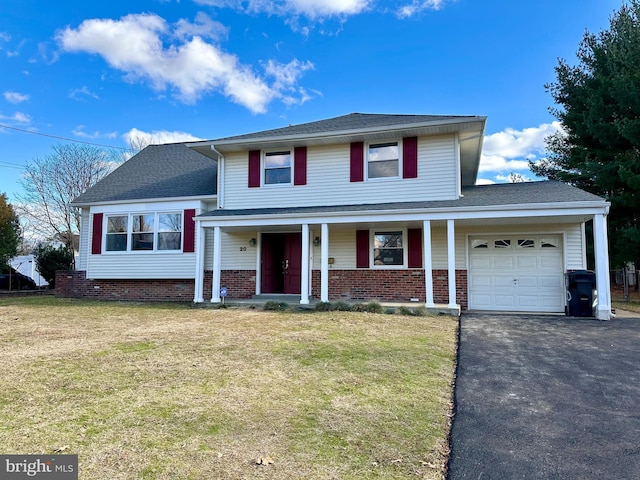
{"x":220,"y":190}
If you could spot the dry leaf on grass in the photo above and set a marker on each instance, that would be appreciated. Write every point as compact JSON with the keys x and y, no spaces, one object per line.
{"x":264,"y":461}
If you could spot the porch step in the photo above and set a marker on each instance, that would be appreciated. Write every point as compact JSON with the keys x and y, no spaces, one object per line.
{"x":277,"y":297}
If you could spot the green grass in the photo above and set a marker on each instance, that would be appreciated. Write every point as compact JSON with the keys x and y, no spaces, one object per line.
{"x":168,"y":391}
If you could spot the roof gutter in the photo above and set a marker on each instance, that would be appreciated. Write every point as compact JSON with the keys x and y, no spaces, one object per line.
{"x":143,"y":200}
{"x":441,"y":213}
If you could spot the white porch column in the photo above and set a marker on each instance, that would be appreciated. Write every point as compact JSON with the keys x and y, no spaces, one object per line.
{"x":304,"y":281}
{"x":324,"y":263}
{"x":451,"y":255}
{"x":428,"y":263}
{"x":198,"y":289}
{"x":217,"y":256}
{"x":603,"y":284}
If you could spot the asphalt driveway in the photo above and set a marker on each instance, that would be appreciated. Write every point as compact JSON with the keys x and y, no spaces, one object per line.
{"x":546,"y":397}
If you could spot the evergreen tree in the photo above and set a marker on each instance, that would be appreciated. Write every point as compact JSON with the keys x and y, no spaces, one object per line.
{"x":599,"y":107}
{"x":9,"y":231}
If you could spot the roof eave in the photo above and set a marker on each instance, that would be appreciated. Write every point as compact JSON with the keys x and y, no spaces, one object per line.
{"x":335,"y":136}
{"x":144,"y":200}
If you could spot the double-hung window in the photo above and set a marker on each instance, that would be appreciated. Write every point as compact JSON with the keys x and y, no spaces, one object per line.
{"x":142,"y":235}
{"x":117,"y":232}
{"x":169,"y":231}
{"x":144,"y":232}
{"x":383,"y":160}
{"x":389,"y":248}
{"x":277,"y":167}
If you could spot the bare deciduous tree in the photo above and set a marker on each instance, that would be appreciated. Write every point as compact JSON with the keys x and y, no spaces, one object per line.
{"x":51,"y":183}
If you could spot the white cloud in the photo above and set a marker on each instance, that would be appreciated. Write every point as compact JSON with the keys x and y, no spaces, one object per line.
{"x":79,"y":93}
{"x":157,"y":137}
{"x":484,"y":181}
{"x":203,"y":26}
{"x":79,"y":132}
{"x":5,"y":37}
{"x":192,"y":67}
{"x":511,"y":149}
{"x":17,"y":117}
{"x":417,"y":6}
{"x":15,"y":97}
{"x":312,"y":9}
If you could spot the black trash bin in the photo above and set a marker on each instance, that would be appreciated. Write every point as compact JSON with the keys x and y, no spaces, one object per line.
{"x":581,"y":291}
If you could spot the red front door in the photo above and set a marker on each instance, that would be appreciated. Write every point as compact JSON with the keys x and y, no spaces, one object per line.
{"x":281,"y":259}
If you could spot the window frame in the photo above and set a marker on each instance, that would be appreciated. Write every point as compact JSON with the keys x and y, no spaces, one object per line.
{"x":372,"y":248}
{"x":130,"y":232}
{"x":263,"y":166}
{"x":367,"y":152}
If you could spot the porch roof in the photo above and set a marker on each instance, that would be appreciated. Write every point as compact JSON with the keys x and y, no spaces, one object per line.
{"x":507,"y":194}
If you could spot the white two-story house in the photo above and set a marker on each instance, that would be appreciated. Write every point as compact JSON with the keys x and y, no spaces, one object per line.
{"x":359,"y":207}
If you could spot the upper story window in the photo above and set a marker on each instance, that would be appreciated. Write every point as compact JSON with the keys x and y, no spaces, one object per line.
{"x":277,"y":168}
{"x":144,"y":232}
{"x":383,"y":160}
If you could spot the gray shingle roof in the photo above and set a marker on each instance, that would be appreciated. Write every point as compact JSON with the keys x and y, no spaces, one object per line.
{"x":503,"y":194}
{"x":158,"y":171}
{"x":352,"y":121}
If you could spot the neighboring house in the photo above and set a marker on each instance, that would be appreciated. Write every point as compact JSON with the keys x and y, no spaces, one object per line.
{"x":358,"y":207}
{"x":26,"y":265}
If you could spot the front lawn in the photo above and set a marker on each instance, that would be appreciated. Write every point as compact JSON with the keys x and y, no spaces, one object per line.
{"x":163,"y":391}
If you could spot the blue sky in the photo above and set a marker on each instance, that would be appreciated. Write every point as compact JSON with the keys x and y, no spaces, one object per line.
{"x":178,"y":70}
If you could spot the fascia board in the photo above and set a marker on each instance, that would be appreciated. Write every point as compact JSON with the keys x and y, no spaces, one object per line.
{"x":144,"y":200}
{"x":468,"y":213}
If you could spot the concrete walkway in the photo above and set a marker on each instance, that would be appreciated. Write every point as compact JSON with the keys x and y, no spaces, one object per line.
{"x":547,"y":397}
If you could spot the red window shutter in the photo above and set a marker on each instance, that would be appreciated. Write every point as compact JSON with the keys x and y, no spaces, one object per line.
{"x":300,"y":166}
{"x":254,"y":168}
{"x":362,"y":248}
{"x":357,"y":162}
{"x":188,"y":245}
{"x":96,"y":239}
{"x":410,"y":157}
{"x":414,"y":243}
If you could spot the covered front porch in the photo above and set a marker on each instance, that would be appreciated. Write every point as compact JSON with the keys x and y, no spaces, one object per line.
{"x":320,"y":260}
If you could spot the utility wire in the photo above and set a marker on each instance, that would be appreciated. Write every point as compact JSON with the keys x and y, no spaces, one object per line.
{"x":64,"y":138}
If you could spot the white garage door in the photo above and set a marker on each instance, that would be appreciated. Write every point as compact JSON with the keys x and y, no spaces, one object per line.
{"x":522,"y":273}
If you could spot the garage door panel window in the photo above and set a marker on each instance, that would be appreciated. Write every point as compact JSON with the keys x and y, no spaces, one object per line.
{"x":526,"y":243}
{"x":549,"y":243}
{"x":479,"y":243}
{"x":502,"y":243}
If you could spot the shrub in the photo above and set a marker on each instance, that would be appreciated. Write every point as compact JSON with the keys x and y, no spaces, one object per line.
{"x":373,"y":307}
{"x":324,"y":307}
{"x":390,"y":311}
{"x":342,"y":307}
{"x":405,"y":310}
{"x":276,"y":306}
{"x":50,"y":259}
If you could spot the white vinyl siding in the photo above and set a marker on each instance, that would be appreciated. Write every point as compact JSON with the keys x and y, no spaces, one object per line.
{"x":165,"y":264}
{"x":139,"y":265}
{"x":328,"y":170}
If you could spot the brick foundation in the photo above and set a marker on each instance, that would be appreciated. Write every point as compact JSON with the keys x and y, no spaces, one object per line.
{"x":390,"y":285}
{"x":240,"y":283}
{"x":358,"y":285}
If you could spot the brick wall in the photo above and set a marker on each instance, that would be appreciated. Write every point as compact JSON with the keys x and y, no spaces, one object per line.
{"x":390,"y":285}
{"x":359,"y":285}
